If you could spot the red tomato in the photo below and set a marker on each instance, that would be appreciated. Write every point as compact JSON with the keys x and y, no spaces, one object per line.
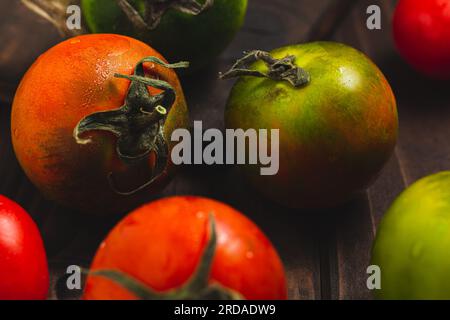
{"x":162,"y":244}
{"x":77,"y":160}
{"x":422,"y":35}
{"x":23,"y":263}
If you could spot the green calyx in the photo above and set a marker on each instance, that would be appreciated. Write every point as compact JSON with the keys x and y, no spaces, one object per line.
{"x":196,"y":288}
{"x":279,"y":70}
{"x":155,"y":10}
{"x":139,"y":123}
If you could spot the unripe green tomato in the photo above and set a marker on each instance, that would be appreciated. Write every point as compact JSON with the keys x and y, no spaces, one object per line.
{"x":336,"y":132}
{"x":412,"y":247}
{"x":179,"y":36}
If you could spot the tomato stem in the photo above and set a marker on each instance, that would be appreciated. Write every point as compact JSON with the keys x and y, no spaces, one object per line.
{"x":278,"y":69}
{"x":155,"y":10}
{"x":197,"y":287}
{"x":138,"y":124}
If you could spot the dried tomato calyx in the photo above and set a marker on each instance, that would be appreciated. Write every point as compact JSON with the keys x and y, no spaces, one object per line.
{"x":197,"y":287}
{"x":278,"y":69}
{"x":139,"y":123}
{"x":155,"y":10}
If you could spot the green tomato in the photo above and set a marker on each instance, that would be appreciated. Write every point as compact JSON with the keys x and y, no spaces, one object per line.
{"x":412,"y":247}
{"x":179,"y":36}
{"x":336,"y":132}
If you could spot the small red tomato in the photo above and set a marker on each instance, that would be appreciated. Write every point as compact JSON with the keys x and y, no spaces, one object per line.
{"x":92,"y":119}
{"x":194,"y":248}
{"x":422,"y":35}
{"x":23,"y":262}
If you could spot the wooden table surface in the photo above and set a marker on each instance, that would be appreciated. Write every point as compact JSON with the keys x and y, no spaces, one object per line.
{"x":325,"y":253}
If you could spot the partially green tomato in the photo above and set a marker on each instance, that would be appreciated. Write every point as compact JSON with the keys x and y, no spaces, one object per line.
{"x":412,"y":247}
{"x":336,"y":132}
{"x":179,"y":36}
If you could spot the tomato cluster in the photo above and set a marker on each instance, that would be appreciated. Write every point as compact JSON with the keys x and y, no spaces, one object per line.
{"x":91,"y":127}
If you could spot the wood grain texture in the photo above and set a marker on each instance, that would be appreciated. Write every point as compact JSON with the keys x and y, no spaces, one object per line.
{"x":325,"y":253}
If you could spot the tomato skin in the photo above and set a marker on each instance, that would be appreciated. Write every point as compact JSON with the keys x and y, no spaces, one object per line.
{"x":70,"y":81}
{"x":23,"y":262}
{"x":179,"y":36}
{"x":422,"y":35}
{"x":413,"y":240}
{"x":336,"y":133}
{"x":161,"y":244}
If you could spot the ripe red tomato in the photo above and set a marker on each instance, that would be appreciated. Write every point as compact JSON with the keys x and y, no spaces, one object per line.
{"x":422,"y":35}
{"x":88,"y":138}
{"x":162,"y":244}
{"x":23,"y":262}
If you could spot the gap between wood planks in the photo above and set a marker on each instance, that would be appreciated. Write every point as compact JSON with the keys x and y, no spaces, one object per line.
{"x":325,"y":28}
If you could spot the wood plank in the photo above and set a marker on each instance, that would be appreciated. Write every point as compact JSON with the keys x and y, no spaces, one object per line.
{"x":24,"y":38}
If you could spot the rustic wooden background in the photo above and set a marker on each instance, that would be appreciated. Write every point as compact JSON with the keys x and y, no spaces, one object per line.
{"x":325,"y":253}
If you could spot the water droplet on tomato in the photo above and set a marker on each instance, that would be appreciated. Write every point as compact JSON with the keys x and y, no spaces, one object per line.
{"x":200,"y":215}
